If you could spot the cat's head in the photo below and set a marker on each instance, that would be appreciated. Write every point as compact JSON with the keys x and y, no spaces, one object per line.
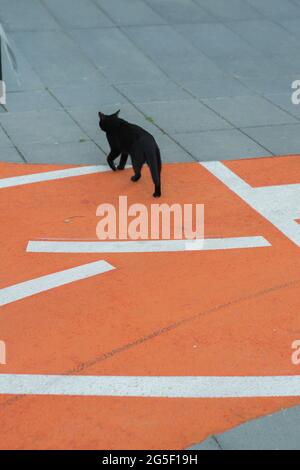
{"x":108,"y":121}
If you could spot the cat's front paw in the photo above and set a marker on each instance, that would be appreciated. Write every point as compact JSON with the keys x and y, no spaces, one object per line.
{"x":120,"y":167}
{"x":135,"y":177}
{"x":157,"y":194}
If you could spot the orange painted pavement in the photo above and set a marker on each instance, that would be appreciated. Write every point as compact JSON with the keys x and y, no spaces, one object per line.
{"x":231,"y":312}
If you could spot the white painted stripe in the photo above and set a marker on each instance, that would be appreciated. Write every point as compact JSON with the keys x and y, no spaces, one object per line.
{"x":168,"y":387}
{"x":279,"y":204}
{"x":145,"y":246}
{"x":50,"y":281}
{"x":52,"y":175}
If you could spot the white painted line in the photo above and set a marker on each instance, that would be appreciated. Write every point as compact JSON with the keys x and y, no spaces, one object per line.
{"x":279,"y":204}
{"x":50,"y":281}
{"x":167,"y":387}
{"x":52,"y":175}
{"x":145,"y":246}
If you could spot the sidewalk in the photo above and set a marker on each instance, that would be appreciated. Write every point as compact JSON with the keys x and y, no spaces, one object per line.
{"x":211,"y":79}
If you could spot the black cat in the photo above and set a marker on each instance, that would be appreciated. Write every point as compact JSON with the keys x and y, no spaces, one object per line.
{"x":128,"y":139}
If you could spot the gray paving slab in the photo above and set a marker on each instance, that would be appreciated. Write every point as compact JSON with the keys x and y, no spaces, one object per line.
{"x":176,"y":11}
{"x":243,"y":111}
{"x":229,"y":9}
{"x":216,"y":40}
{"x":209,"y":444}
{"x":25,"y":78}
{"x":284,"y":101}
{"x":292,"y":25}
{"x":40,"y":126}
{"x":221,"y":145}
{"x":170,"y":151}
{"x":289,"y":64}
{"x":78,"y":14}
{"x":10,"y":154}
{"x":267,"y":86}
{"x":81,"y":153}
{"x":37,"y":100}
{"x":266,"y":36}
{"x":276,"y":9}
{"x":252,"y":67}
{"x":26,"y":15}
{"x":93,"y":92}
{"x":5,"y":140}
{"x":56,"y":57}
{"x":135,"y":12}
{"x":280,"y":140}
{"x":279,"y":431}
{"x":116,"y":56}
{"x":154,"y":91}
{"x":216,"y":87}
{"x":183,"y":116}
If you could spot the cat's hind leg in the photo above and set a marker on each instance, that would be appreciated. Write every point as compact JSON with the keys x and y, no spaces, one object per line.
{"x":123,"y":161}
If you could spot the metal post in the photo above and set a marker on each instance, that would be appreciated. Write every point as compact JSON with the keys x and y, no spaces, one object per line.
{"x":0,"y":59}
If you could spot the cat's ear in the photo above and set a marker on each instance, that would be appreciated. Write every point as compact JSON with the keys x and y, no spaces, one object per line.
{"x":117,"y":113}
{"x":101,"y":115}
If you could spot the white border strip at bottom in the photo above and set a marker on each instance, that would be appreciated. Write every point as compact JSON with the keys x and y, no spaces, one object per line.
{"x":141,"y":386}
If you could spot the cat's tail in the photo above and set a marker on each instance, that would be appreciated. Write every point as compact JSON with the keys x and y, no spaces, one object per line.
{"x":158,"y":158}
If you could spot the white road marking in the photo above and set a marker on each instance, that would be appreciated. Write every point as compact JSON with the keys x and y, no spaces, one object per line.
{"x":145,"y":246}
{"x":50,"y":281}
{"x":145,"y":386}
{"x":52,"y":175}
{"x":280,"y":205}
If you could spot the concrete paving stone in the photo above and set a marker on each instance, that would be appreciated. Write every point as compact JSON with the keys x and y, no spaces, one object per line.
{"x":162,"y":42}
{"x":265,"y":36}
{"x":292,"y":25}
{"x":244,"y":111}
{"x":268,"y":85}
{"x":190,"y":68}
{"x":116,"y":56}
{"x":77,"y":153}
{"x":135,"y":12}
{"x":91,"y":93}
{"x":251,"y":67}
{"x":209,"y":444}
{"x":10,"y":154}
{"x":226,"y":144}
{"x":29,"y":15}
{"x":216,"y":40}
{"x":229,"y":9}
{"x":216,"y":87}
{"x":25,"y":78}
{"x":40,"y":126}
{"x":176,"y":11}
{"x":56,"y":57}
{"x":153,"y":91}
{"x":4,"y":140}
{"x":78,"y":14}
{"x":183,"y":116}
{"x":276,"y":9}
{"x":38,"y":100}
{"x":170,"y":151}
{"x":279,"y":431}
{"x":280,"y":140}
{"x":284,"y":101}
{"x":289,"y":64}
